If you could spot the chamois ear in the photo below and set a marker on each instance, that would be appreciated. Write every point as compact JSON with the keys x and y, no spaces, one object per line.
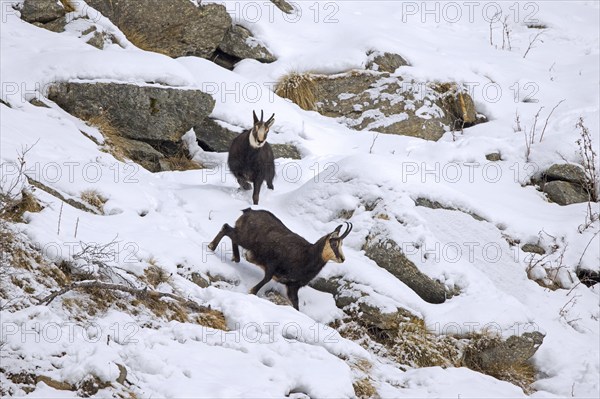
{"x":271,"y":121}
{"x":255,"y":118}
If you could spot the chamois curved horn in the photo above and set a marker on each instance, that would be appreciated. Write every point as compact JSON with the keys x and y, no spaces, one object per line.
{"x":261,"y":115}
{"x":348,"y":230}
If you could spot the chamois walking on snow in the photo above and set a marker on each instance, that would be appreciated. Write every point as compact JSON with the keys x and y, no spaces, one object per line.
{"x":251,"y":157}
{"x":284,"y":256}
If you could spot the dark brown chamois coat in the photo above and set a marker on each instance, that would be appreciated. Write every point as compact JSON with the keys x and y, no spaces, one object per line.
{"x":251,"y":158}
{"x":285,"y":256}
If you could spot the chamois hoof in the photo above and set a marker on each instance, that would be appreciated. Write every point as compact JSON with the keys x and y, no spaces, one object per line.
{"x":211,"y":246}
{"x":235,"y":259}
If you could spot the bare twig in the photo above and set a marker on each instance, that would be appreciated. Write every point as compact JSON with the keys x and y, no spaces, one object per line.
{"x":375,"y":137}
{"x":532,"y":41}
{"x":548,"y":118}
{"x":60,"y":218}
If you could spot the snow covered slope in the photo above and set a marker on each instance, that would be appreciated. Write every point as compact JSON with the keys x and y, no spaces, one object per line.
{"x":167,"y":218}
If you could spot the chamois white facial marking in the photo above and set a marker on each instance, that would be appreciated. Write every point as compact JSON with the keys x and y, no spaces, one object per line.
{"x":258,"y":135}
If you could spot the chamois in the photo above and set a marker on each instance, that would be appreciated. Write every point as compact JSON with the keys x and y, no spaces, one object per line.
{"x":251,"y":157}
{"x":284,"y":256}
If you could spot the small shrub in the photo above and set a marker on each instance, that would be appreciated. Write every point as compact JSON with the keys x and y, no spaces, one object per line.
{"x":94,"y":198}
{"x":300,"y":88}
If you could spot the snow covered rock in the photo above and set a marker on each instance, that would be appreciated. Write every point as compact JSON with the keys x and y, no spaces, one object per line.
{"x":42,"y":11}
{"x":175,"y":28}
{"x":239,"y":44}
{"x":388,"y":255}
{"x":146,"y":113}
{"x":368,"y":100}
{"x":565,"y":193}
{"x":493,"y":353}
{"x":385,"y":62}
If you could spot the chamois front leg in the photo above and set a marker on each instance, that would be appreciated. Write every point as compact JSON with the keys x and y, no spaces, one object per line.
{"x":257,"y":184}
{"x":244,"y":184}
{"x":226,"y":230}
{"x":292,"y":293}
{"x":265,"y":280}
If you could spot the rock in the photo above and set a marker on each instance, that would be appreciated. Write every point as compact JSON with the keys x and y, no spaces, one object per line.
{"x":142,"y":153}
{"x":427,"y":203}
{"x":57,"y":25}
{"x":149,"y":114}
{"x":388,"y":255}
{"x":176,"y":27}
{"x":566,"y":172}
{"x":58,"y":385}
{"x":97,"y":40}
{"x":213,"y":136}
{"x":588,"y":277}
{"x":199,"y":280}
{"x":41,"y":11}
{"x":288,"y":151}
{"x":533,"y":248}
{"x":122,"y":374}
{"x":239,"y":43}
{"x":459,"y":104}
{"x":283,"y":6}
{"x":367,"y":100}
{"x":488,"y":353}
{"x":565,"y":193}
{"x":385,"y":62}
{"x":493,"y":157}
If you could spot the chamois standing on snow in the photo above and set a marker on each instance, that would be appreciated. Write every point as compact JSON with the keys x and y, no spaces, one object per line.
{"x":284,"y":256}
{"x":251,"y":157}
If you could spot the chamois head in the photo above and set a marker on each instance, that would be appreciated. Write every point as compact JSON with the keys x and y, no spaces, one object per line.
{"x":332,"y":250}
{"x":258,"y":135}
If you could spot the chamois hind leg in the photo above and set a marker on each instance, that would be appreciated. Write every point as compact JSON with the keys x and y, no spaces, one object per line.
{"x":226,"y":230}
{"x":268,"y":276}
{"x":236,"y":252}
{"x":292,"y":293}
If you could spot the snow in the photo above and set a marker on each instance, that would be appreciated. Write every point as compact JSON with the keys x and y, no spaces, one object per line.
{"x":274,"y":350}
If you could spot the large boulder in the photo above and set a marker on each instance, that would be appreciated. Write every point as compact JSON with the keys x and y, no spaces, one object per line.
{"x":239,"y":44}
{"x":175,"y":27}
{"x":378,"y":101}
{"x":565,"y":193}
{"x":566,"y":172}
{"x":42,"y":11}
{"x":145,"y":113}
{"x":388,"y":255}
{"x":488,"y":353}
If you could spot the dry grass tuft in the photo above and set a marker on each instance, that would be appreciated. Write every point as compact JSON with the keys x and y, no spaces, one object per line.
{"x":212,"y":318}
{"x":156,"y":275}
{"x":13,"y":210}
{"x":300,"y":88}
{"x":115,"y":144}
{"x":94,"y":199}
{"x":181,"y":162}
{"x":364,"y":389}
{"x":68,"y":5}
{"x":519,"y":374}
